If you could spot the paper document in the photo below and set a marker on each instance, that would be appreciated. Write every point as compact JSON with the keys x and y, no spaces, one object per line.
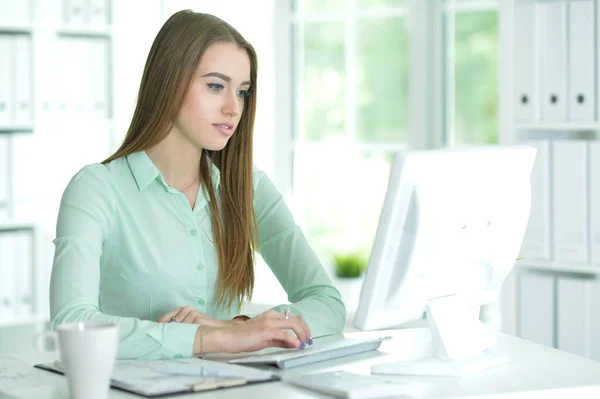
{"x":160,"y":377}
{"x":16,"y":374}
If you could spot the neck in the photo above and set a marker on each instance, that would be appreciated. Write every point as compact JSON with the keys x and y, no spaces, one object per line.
{"x":177,"y":160}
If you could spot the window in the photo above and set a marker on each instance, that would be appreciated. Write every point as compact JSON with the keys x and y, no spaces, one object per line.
{"x":471,"y":71}
{"x":351,"y":112}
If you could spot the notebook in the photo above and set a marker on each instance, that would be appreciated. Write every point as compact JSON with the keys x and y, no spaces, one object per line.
{"x":151,"y":378}
{"x":321,"y":350}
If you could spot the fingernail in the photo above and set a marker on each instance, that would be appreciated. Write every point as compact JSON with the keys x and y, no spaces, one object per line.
{"x":302,"y":345}
{"x":310,"y":341}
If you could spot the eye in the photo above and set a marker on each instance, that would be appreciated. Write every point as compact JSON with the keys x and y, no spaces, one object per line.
{"x":216,"y":87}
{"x":243,"y":93}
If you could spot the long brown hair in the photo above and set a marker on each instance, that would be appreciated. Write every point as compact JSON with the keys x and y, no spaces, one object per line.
{"x":172,"y":61}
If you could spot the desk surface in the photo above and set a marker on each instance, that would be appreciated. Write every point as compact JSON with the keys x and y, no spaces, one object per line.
{"x":532,"y":367}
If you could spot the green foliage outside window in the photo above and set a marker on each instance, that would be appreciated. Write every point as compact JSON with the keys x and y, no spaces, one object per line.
{"x":476,"y":78}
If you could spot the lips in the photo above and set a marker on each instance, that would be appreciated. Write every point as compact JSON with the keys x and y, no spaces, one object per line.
{"x":224,"y":128}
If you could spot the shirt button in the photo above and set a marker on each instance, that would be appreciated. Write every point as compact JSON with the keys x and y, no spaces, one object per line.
{"x":193,"y":232}
{"x":200,"y":266}
{"x":200,"y":301}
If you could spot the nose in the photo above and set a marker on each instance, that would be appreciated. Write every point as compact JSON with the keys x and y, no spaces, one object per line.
{"x":232,"y":105}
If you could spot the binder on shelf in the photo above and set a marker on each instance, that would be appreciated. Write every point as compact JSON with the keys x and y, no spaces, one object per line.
{"x":572,"y":312}
{"x":99,"y":12}
{"x":15,"y":13}
{"x":536,"y":308}
{"x":582,"y":61}
{"x":594,"y":319}
{"x":536,"y":242}
{"x":23,"y":104}
{"x":569,"y":201}
{"x":4,"y":178}
{"x":7,"y":282}
{"x":24,"y":297}
{"x":526,"y":82}
{"x":75,"y":12}
{"x":99,"y":65}
{"x":554,"y":60}
{"x":80,"y":80}
{"x":6,"y":80}
{"x":594,"y":198}
{"x":66,"y":80}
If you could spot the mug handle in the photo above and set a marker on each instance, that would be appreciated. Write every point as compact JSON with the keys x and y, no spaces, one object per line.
{"x":40,"y":341}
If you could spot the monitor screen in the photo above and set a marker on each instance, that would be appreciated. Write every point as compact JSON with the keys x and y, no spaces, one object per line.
{"x":452,"y":223}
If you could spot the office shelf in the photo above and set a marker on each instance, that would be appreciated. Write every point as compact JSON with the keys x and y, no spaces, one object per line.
{"x":589,"y":269}
{"x":11,"y":29}
{"x":22,"y":321}
{"x":564,"y":126}
{"x":84,"y":30}
{"x":16,"y":128}
{"x":10,"y":225}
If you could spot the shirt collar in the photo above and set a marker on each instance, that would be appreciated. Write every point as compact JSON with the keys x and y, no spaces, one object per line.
{"x":144,"y":171}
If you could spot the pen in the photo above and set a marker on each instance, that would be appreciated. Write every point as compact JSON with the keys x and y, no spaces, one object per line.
{"x":205,"y":386}
{"x":201,"y":372}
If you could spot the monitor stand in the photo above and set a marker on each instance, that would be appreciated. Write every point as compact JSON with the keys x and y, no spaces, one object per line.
{"x":463,"y":345}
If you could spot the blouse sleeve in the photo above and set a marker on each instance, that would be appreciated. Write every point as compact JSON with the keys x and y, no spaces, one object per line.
{"x":288,"y":254}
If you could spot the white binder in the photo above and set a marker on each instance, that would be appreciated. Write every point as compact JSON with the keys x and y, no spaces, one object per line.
{"x":569,"y":201}
{"x":99,"y":12}
{"x":15,"y":12}
{"x":6,"y":80}
{"x":594,"y":319}
{"x":75,"y":12}
{"x":554,"y":60}
{"x":7,"y":282}
{"x":572,"y":312}
{"x":582,"y":65}
{"x":536,"y":243}
{"x":23,"y":259}
{"x":80,"y":79}
{"x":22,"y":60}
{"x":4,"y":178}
{"x":536,"y":308}
{"x":100,"y":63}
{"x":65,"y":78}
{"x":526,"y":78}
{"x":594,"y":198}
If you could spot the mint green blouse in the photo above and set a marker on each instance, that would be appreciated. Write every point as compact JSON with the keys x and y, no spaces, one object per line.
{"x":129,"y":249}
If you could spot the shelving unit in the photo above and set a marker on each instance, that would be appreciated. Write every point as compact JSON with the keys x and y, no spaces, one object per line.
{"x":57,"y":77}
{"x":551,"y":56}
{"x":564,"y":268}
{"x":561,"y":126}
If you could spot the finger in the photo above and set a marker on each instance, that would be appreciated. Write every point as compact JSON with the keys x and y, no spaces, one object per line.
{"x":186,"y":315}
{"x":302,"y":324}
{"x":292,"y":323}
{"x":167,"y":317}
{"x":306,"y":330}
{"x":282,"y":339}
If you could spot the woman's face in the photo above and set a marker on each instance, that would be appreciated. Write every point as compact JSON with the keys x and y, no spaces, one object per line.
{"x":214,"y":103}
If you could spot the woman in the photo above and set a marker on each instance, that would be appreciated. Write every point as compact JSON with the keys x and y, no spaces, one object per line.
{"x":160,"y":237}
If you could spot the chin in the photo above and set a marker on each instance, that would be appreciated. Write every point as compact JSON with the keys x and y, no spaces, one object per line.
{"x":216,"y":146}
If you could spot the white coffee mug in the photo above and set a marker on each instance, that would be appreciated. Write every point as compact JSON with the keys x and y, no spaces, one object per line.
{"x":88,"y":351}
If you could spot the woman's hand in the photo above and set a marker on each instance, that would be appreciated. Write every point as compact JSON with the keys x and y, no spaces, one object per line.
{"x":269,"y":329}
{"x":187,"y":314}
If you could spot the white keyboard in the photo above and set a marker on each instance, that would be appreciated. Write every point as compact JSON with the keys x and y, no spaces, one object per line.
{"x":318,"y":352}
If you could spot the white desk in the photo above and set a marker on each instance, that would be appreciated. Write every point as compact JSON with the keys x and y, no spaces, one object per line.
{"x":552,"y":373}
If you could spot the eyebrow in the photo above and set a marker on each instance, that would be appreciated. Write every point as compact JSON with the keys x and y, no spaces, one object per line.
{"x":224,"y":77}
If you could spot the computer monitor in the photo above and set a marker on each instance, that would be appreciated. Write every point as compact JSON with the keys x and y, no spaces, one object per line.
{"x":449,"y":233}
